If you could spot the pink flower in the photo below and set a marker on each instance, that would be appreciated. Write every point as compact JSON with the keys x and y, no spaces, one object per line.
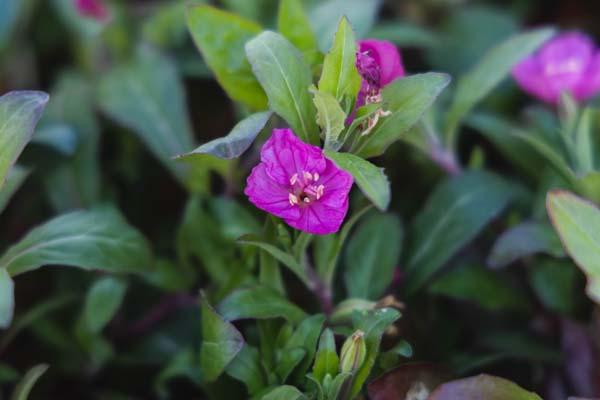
{"x":379,"y":63}
{"x":92,"y":9}
{"x":568,"y":63}
{"x":294,"y":181}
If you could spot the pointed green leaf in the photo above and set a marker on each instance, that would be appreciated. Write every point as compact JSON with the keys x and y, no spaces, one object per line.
{"x":19,"y":113}
{"x":372,"y":254}
{"x":221,"y":37}
{"x":237,"y":141}
{"x":370,"y":179}
{"x":455,"y":213}
{"x":326,"y":360}
{"x":330,"y":118}
{"x":488,"y":73}
{"x":340,"y":78}
{"x":246,"y":367}
{"x":148,"y":97}
{"x":577,"y":222}
{"x":259,"y":302}
{"x":98,"y":239}
{"x":407,"y":99}
{"x":306,"y":337}
{"x":102,"y":301}
{"x":283,"y":257}
{"x":293,"y":23}
{"x":523,"y":240}
{"x":221,"y":342}
{"x":285,"y":76}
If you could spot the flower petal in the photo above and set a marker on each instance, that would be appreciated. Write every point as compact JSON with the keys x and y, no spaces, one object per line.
{"x":387,"y":57}
{"x":284,"y":155}
{"x":269,"y":195}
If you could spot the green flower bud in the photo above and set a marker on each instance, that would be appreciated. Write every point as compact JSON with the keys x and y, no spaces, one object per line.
{"x":354,"y":352}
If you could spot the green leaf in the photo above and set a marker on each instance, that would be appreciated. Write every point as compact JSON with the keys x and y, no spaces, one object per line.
{"x":221,"y":342}
{"x":306,"y":337}
{"x":259,"y":302}
{"x":284,"y":393}
{"x":577,"y":222}
{"x":19,"y":113}
{"x":246,"y":367}
{"x":326,"y":14}
{"x":7,"y":299}
{"x":283,"y":257}
{"x":285,"y":76}
{"x":480,"y":286}
{"x":556,"y":284}
{"x":373,"y":324}
{"x":293,"y":23}
{"x":326,"y":360}
{"x":220,"y":37}
{"x":14,"y":180}
{"x":407,"y":99}
{"x":102,"y":301}
{"x":340,"y":78}
{"x":482,"y":387}
{"x":488,"y":73}
{"x":237,"y":141}
{"x":370,"y":179}
{"x":405,"y":34}
{"x":328,"y":247}
{"x":26,"y":384}
{"x":330,"y":118}
{"x":148,"y":97}
{"x":98,"y":239}
{"x":523,"y":240}
{"x":455,"y":213}
{"x":75,"y":183}
{"x":289,"y":359}
{"x":372,"y":254}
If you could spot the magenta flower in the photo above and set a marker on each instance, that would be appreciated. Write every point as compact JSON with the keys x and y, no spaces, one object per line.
{"x":92,"y":9}
{"x":294,"y":181}
{"x":568,"y":63}
{"x":379,"y":63}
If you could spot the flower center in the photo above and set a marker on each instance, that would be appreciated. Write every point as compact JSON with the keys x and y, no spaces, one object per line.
{"x":304,"y":188}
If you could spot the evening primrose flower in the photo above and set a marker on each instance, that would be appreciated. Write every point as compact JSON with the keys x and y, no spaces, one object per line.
{"x":294,"y":181}
{"x":378,"y":63}
{"x":95,"y":9}
{"x":567,"y":63}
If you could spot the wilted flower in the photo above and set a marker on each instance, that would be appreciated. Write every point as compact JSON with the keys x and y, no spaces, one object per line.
{"x":92,"y":8}
{"x":294,"y":181}
{"x":379,"y":63}
{"x":568,"y":63}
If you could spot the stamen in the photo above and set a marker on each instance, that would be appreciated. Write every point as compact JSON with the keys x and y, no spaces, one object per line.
{"x":294,"y":179}
{"x":306,"y":200}
{"x":316,"y":176}
{"x":308,"y":176}
{"x":320,"y":190}
{"x":293,"y":199}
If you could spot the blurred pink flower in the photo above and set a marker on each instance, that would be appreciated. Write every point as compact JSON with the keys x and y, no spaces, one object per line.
{"x":567,"y":63}
{"x":92,"y":9}
{"x":379,"y":63}
{"x":294,"y":181}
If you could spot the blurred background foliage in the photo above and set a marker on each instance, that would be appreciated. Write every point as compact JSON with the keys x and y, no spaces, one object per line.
{"x":129,"y":93}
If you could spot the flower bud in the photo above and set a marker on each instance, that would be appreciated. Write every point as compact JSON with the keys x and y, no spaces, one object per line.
{"x":354,"y":352}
